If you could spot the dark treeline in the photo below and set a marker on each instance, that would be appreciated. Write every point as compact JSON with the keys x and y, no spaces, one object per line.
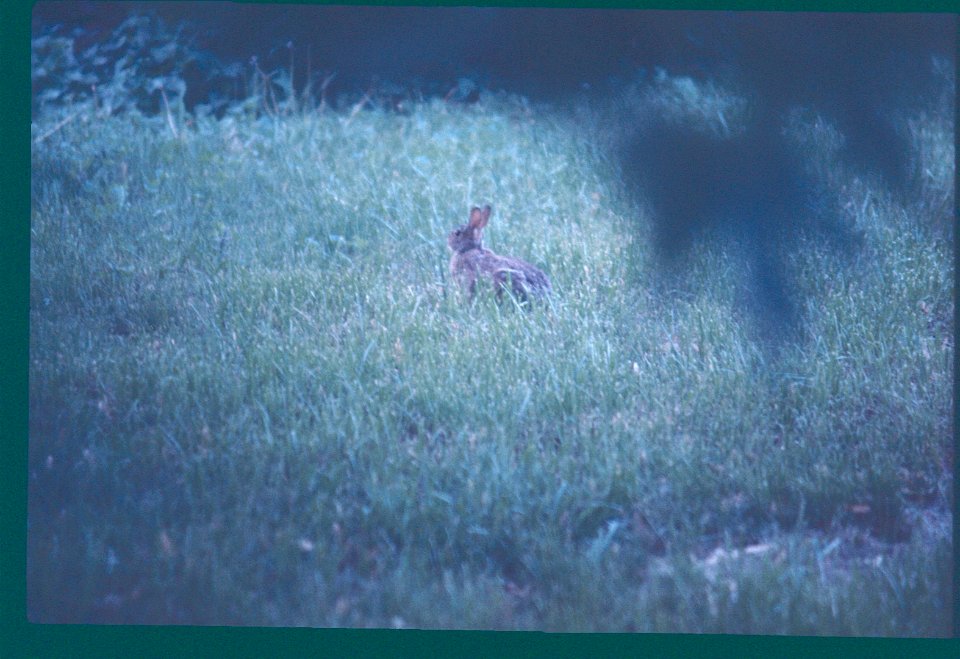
{"x":531,"y":51}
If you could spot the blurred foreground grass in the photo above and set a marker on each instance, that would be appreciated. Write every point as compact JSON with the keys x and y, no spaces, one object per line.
{"x":255,"y":397}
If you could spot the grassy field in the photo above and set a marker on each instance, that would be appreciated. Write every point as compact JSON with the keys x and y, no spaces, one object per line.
{"x":256,"y":397}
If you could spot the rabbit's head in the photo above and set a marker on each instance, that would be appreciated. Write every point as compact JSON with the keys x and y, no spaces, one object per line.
{"x":468,"y":237}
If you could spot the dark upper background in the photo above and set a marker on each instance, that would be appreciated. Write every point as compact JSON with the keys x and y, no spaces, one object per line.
{"x":856,"y":70}
{"x":536,"y":51}
{"x":852,"y":68}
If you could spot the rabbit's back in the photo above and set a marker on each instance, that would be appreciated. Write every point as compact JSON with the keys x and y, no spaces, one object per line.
{"x":515,"y":275}
{"x":525,"y":278}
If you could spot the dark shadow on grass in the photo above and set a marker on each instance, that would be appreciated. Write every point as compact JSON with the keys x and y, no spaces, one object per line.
{"x":752,"y":189}
{"x":751,"y":194}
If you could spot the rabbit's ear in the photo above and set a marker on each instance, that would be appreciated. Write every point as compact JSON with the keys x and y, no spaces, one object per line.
{"x":485,"y":215}
{"x":477,"y":219}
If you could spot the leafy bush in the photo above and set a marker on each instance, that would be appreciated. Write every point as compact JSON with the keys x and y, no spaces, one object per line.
{"x":142,"y":65}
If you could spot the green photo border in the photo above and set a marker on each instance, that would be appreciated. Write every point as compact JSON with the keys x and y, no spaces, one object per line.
{"x":18,"y":638}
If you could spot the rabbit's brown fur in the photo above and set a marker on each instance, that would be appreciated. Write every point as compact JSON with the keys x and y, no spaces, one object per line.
{"x":471,"y":261}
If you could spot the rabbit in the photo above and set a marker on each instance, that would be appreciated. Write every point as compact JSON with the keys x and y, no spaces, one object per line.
{"x":471,"y":261}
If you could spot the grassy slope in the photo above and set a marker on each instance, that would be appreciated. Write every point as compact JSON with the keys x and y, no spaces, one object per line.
{"x":256,"y":398}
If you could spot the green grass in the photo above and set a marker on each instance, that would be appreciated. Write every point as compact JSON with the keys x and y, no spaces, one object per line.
{"x":257,"y":398}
